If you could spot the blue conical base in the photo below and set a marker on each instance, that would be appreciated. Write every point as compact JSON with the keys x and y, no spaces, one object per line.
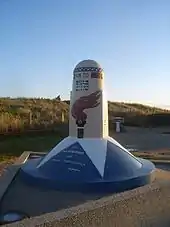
{"x":88,"y":165}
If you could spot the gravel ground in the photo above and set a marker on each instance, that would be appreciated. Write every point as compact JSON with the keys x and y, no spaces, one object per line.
{"x":163,"y":167}
{"x":4,"y":164}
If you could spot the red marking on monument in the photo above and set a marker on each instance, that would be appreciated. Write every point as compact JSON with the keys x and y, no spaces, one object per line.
{"x":85,"y":102}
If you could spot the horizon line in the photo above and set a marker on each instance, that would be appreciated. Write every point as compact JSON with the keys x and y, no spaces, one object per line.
{"x":161,"y":106}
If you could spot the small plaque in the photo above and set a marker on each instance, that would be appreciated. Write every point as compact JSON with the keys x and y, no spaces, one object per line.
{"x":80,"y":132}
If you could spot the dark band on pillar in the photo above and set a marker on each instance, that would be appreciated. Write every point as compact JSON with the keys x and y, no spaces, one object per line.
{"x":88,"y":69}
{"x":80,"y":128}
{"x":80,"y":132}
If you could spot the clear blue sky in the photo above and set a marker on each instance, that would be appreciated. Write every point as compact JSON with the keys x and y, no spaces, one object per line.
{"x":42,"y":40}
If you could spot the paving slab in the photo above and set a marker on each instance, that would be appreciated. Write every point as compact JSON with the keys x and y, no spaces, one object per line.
{"x":147,"y":206}
{"x":35,"y":201}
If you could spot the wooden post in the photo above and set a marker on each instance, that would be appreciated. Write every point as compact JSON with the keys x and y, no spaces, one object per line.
{"x":30,"y":118}
{"x":62,"y":117}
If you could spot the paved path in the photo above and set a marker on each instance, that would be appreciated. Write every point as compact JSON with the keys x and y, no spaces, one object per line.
{"x":144,"y":139}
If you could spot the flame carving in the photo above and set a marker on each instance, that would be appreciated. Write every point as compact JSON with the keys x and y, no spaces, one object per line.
{"x":85,"y":102}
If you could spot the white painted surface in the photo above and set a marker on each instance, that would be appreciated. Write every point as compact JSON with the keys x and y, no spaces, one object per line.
{"x":88,"y":63}
{"x":96,"y":149}
{"x":71,"y":126}
{"x":97,"y":117}
{"x":96,"y":136}
{"x":60,"y":146}
{"x":105,"y":115}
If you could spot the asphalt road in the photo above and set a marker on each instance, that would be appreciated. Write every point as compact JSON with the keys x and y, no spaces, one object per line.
{"x":144,"y":139}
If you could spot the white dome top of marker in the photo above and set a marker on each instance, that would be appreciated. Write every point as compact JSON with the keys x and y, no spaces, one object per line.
{"x":88,"y":63}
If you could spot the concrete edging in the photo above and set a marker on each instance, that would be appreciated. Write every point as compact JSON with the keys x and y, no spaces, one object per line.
{"x":131,"y":208}
{"x":10,"y":173}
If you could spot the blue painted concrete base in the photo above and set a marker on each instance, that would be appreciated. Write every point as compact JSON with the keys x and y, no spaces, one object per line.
{"x":29,"y":174}
{"x":75,"y":168}
{"x":143,"y":177}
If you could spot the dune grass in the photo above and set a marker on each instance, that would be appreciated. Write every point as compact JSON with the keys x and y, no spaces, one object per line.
{"x":163,"y":156}
{"x":14,"y":146}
